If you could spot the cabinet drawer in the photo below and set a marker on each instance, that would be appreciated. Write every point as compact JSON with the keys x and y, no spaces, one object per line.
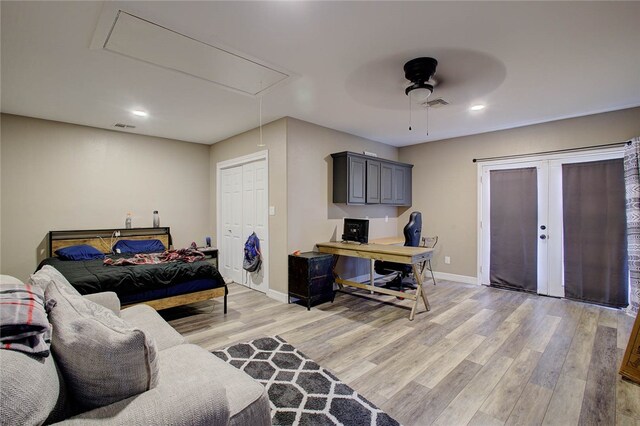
{"x":321,"y":285}
{"x":320,"y":267}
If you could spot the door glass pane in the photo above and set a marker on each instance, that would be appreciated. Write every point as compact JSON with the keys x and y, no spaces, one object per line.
{"x":514,"y":223}
{"x":594,"y":221}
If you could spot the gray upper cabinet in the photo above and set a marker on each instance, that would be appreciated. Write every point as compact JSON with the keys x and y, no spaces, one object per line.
{"x":359,"y":179}
{"x":386,"y":185}
{"x":373,"y":182}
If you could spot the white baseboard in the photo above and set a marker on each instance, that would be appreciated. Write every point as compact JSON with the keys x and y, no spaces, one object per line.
{"x":276,"y":295}
{"x":454,"y":277}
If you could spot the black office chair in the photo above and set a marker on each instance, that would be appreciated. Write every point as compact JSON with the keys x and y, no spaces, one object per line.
{"x":412,"y":231}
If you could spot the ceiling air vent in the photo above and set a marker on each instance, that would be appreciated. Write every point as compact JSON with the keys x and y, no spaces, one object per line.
{"x":124,"y":126}
{"x":436,"y":103}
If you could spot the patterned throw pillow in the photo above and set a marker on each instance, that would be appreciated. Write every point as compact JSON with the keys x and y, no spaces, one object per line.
{"x":103,"y":360}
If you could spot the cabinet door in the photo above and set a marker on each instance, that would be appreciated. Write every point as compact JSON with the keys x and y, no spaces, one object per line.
{"x":373,"y":182}
{"x":401,"y":185}
{"x":357,"y":180}
{"x":386,"y":183}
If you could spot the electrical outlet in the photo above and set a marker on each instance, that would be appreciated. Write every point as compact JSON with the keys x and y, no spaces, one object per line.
{"x":117,"y":233}
{"x":447,"y":260}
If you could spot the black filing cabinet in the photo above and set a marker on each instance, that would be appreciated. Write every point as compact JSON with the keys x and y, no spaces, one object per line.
{"x":311,"y":277}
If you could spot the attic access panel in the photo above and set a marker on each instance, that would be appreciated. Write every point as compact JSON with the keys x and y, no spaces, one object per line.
{"x":143,"y":40}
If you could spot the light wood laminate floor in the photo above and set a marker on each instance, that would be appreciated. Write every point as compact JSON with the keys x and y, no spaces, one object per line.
{"x":481,"y":356}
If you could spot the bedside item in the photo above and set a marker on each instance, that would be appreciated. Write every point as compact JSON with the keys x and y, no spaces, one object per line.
{"x":156,"y":219}
{"x":311,"y":277}
{"x":127,"y":221}
{"x":207,"y":241}
{"x":210,"y":254}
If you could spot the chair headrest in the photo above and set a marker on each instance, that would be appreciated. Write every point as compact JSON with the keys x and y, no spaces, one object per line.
{"x":413,"y":230}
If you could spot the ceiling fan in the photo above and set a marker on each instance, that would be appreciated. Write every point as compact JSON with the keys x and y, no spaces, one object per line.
{"x":419,"y":72}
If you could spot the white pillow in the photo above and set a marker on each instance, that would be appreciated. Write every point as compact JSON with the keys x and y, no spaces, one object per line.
{"x":103,"y":360}
{"x":48,"y":273}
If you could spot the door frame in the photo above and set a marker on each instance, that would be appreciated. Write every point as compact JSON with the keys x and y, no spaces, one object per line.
{"x":234,"y":162}
{"x":552,"y":160}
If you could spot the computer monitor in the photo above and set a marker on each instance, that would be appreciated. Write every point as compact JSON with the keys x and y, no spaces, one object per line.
{"x":356,"y":230}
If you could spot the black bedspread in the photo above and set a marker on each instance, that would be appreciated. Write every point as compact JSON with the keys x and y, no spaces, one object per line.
{"x":92,"y":276}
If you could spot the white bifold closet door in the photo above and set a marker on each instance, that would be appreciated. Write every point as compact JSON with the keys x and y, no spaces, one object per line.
{"x":551,"y":225}
{"x":244,"y":210}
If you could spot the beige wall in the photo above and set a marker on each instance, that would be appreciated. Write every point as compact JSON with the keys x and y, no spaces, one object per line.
{"x":445,"y":178}
{"x":312,"y":215}
{"x":58,"y":176}
{"x":274,"y":136}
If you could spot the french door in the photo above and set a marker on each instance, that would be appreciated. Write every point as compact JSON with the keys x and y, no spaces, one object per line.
{"x":527,"y":208}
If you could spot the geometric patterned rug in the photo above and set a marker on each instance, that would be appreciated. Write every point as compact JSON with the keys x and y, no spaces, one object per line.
{"x":301,"y":392}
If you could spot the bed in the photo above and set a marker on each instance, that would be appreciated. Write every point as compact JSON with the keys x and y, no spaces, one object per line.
{"x":160,"y":286}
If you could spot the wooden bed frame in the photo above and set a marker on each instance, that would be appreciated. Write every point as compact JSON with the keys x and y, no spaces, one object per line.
{"x":101,"y":240}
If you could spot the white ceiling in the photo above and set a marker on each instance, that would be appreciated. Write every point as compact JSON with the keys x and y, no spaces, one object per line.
{"x":529,"y":62}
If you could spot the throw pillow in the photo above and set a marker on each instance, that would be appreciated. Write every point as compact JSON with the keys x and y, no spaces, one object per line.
{"x":102,"y":359}
{"x":138,"y":246}
{"x":79,"y":252}
{"x":46,"y":274}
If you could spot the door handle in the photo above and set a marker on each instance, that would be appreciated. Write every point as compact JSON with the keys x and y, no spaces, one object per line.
{"x":543,"y":237}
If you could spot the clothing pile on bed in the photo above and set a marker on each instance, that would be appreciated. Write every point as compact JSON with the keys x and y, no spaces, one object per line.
{"x":187,"y":255}
{"x":24,"y":325}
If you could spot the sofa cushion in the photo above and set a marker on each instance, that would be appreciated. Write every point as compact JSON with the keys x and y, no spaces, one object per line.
{"x":248,"y":399}
{"x":190,"y":393}
{"x":31,"y":389}
{"x":48,"y":273}
{"x":148,"y":320}
{"x":103,"y":360}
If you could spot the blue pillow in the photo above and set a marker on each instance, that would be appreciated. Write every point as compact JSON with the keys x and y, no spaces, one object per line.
{"x":79,"y":252}
{"x":138,"y":246}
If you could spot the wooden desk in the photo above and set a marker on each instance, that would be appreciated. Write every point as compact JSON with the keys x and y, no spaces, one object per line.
{"x":393,"y":241}
{"x":408,"y":255}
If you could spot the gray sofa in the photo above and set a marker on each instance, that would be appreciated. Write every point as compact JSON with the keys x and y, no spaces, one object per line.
{"x":194,"y":387}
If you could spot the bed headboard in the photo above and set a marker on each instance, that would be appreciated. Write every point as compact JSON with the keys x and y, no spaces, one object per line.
{"x":101,"y":238}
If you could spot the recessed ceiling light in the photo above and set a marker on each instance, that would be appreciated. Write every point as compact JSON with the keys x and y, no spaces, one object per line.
{"x":477,"y":107}
{"x":139,"y":113}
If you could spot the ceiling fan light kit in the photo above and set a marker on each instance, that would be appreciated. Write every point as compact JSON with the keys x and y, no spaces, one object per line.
{"x":419,"y":72}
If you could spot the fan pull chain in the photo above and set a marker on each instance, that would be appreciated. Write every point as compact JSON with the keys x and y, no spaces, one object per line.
{"x":428,"y":119}
{"x":410,"y":111}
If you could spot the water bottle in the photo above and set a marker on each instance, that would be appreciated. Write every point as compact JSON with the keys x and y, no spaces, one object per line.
{"x":127,"y":222}
{"x":156,"y":219}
